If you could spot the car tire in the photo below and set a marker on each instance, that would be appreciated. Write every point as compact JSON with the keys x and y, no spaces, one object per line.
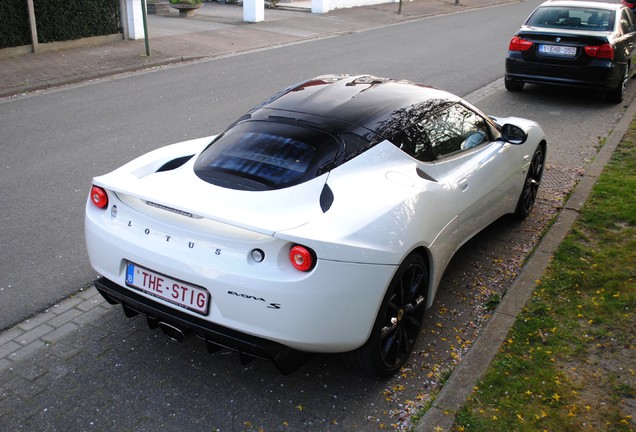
{"x":531,"y":184}
{"x":398,"y":322}
{"x":616,"y":95}
{"x":513,"y":85}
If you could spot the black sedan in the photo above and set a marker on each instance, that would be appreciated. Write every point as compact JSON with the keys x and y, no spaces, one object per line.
{"x":575,"y":43}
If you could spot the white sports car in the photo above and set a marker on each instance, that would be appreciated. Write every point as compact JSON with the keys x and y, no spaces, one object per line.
{"x":319,"y":222}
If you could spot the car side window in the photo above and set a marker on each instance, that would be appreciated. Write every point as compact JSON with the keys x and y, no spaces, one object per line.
{"x":414,"y":141}
{"x":455,"y":129}
{"x":627,"y":24}
{"x":445,"y":133}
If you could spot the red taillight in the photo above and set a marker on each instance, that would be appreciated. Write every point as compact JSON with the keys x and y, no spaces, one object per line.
{"x":518,"y":44}
{"x":99,"y":197}
{"x":605,"y":51}
{"x":302,"y":258}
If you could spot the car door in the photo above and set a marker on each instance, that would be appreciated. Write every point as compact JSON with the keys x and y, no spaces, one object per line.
{"x":626,"y":42}
{"x":475,"y":166}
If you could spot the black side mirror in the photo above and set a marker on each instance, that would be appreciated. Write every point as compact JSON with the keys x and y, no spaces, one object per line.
{"x":513,"y":134}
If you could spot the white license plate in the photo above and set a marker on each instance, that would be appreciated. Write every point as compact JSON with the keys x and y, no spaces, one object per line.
{"x":177,"y":292}
{"x":557,"y":50}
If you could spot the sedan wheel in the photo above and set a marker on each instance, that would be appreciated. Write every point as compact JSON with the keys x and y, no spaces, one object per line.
{"x":531,"y":186}
{"x":617,"y":95}
{"x":398,"y":323}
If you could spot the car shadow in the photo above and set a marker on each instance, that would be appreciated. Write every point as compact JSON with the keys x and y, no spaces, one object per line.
{"x":537,"y":93}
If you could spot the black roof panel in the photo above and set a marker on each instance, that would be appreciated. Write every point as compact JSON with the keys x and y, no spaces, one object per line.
{"x":363,"y":100}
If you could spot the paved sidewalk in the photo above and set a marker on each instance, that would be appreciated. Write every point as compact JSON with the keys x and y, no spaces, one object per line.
{"x":216,"y":30}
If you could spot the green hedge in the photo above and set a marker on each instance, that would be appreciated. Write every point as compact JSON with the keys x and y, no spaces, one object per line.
{"x":60,"y":20}
{"x":57,"y":20}
{"x":18,"y":32}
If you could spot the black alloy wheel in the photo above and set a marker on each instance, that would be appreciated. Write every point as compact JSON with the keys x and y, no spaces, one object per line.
{"x":531,"y":185}
{"x":398,"y":323}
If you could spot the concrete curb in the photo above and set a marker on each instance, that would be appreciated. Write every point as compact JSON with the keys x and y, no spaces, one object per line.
{"x":441,"y":415}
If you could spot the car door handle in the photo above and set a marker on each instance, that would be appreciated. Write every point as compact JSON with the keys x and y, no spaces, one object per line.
{"x":462,"y":184}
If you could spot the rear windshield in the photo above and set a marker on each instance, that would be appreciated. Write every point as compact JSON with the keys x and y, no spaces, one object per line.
{"x":572,"y":18}
{"x":260,"y":155}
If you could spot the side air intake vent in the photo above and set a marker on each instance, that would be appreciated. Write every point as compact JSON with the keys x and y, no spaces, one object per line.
{"x":174,"y":163}
{"x":326,"y":199}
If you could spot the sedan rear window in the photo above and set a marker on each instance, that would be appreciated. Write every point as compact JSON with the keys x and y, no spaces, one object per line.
{"x":260,"y":155}
{"x":572,"y":18}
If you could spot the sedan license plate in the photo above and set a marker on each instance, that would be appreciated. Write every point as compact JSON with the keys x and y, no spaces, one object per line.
{"x":557,"y":50}
{"x":177,"y":292}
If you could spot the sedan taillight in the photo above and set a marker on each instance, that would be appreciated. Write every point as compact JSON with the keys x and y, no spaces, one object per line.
{"x":605,"y":51}
{"x":99,"y":197}
{"x":518,"y":44}
{"x":302,"y":258}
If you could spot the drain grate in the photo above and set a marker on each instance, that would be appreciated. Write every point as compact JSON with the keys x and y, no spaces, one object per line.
{"x":558,"y":181}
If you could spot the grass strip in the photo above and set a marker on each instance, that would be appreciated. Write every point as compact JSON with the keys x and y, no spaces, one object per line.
{"x":569,"y":362}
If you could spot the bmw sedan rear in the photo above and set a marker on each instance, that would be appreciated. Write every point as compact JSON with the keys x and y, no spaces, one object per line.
{"x":574,"y":43}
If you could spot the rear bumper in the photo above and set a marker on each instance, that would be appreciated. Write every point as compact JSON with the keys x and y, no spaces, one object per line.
{"x":600,"y":74}
{"x":286,"y":359}
{"x":329,"y":309}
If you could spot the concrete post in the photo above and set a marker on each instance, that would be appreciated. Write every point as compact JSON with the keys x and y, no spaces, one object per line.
{"x":134,"y":20}
{"x":253,"y":10}
{"x":320,"y":6}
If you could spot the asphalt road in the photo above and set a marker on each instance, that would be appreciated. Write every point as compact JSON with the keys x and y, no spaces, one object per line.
{"x":55,"y":142}
{"x":120,"y":374}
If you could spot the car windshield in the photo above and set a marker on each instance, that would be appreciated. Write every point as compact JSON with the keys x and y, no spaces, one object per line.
{"x":261,"y":155}
{"x":572,"y":18}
